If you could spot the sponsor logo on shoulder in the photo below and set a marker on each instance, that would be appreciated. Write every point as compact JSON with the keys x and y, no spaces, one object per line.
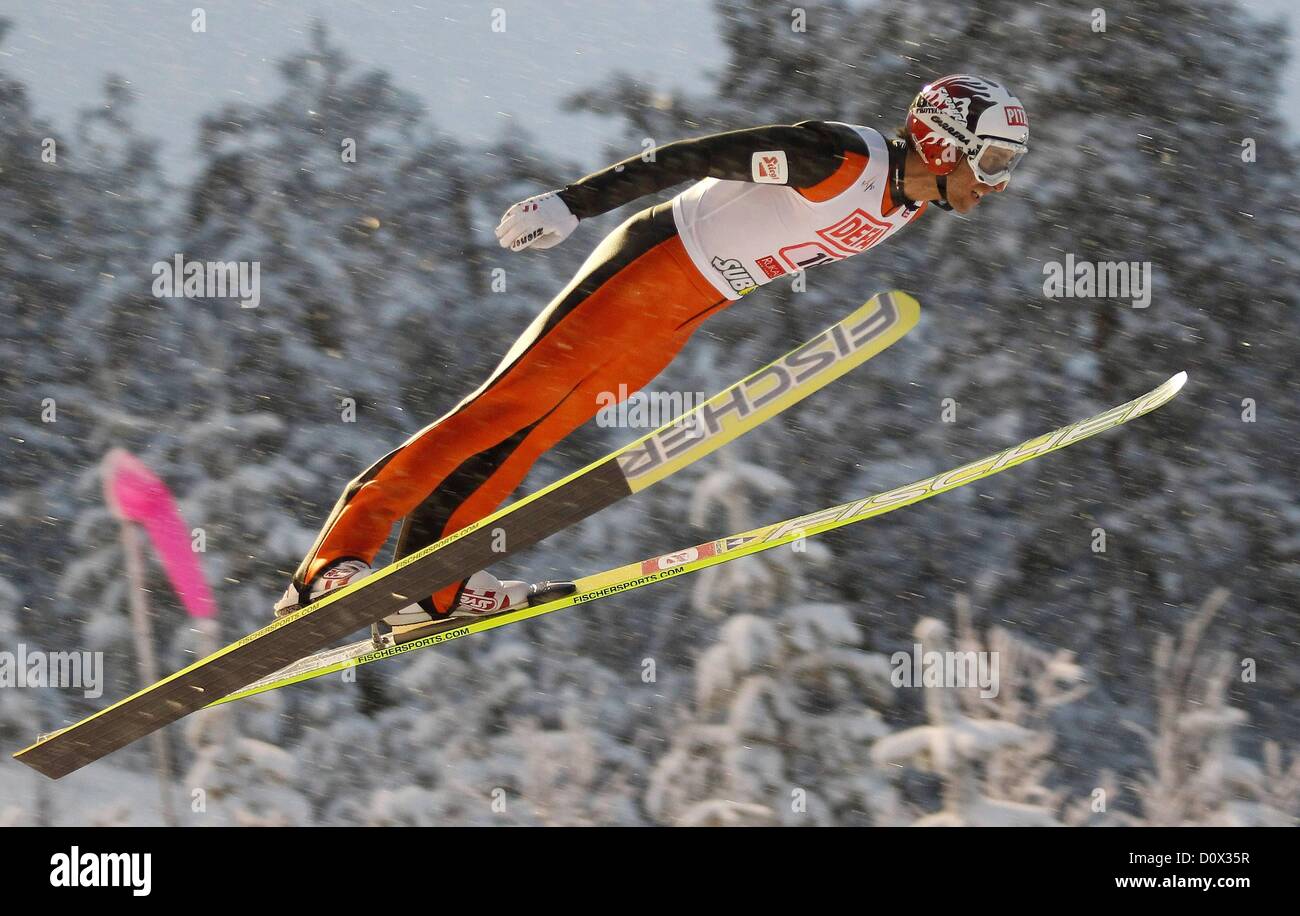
{"x":770,"y":167}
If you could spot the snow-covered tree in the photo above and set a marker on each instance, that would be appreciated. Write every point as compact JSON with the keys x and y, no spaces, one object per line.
{"x":986,"y":751}
{"x":1199,"y":775}
{"x":784,"y":715}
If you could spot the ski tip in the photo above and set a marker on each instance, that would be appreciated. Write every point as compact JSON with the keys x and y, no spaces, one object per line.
{"x":906,"y":306}
{"x":1178,"y":381}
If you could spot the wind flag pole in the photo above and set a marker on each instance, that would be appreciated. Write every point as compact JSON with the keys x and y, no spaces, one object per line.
{"x":139,"y":499}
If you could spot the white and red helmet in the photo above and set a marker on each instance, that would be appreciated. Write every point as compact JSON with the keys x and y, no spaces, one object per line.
{"x":968,"y":116}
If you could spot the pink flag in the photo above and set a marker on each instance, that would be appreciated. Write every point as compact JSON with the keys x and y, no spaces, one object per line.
{"x":136,"y":494}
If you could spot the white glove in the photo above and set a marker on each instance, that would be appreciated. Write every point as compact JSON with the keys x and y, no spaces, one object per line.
{"x":538,"y":222}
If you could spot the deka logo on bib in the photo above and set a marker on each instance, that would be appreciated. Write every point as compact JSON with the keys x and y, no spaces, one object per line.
{"x":103,"y":869}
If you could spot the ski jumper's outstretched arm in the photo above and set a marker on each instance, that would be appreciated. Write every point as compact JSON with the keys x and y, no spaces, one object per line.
{"x":811,"y":152}
{"x":803,"y":156}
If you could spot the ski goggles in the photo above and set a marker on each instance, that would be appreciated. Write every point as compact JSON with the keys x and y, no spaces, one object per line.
{"x":995,"y":159}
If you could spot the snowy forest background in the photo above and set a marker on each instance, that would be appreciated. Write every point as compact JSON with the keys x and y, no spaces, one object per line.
{"x":1122,"y":671}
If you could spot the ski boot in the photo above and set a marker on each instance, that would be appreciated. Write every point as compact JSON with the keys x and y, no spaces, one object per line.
{"x":483,"y":596}
{"x":335,"y":576}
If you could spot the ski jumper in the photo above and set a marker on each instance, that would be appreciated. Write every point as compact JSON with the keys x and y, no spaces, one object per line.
{"x":767,"y":201}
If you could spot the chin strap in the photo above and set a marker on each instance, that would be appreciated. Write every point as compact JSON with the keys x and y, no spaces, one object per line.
{"x":942,"y":202}
{"x":897,"y":163}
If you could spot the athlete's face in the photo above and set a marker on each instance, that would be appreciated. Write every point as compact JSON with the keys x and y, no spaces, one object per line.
{"x":965,"y":191}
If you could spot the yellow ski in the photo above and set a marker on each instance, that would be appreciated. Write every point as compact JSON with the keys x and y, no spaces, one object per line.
{"x":702,"y":556}
{"x":876,"y":325}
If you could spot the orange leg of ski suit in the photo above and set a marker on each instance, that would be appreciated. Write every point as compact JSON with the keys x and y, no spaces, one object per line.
{"x":619,"y":322}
